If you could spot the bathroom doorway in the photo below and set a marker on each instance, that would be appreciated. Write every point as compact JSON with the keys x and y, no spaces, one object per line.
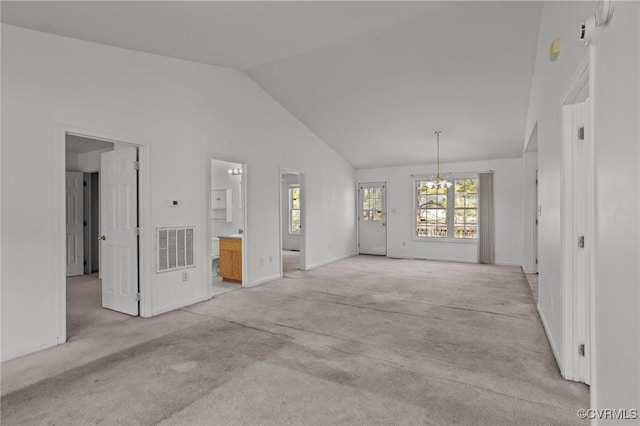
{"x":227,"y":219}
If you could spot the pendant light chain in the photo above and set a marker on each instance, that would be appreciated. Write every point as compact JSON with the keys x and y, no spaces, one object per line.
{"x":438,"y":133}
{"x":438,"y":181}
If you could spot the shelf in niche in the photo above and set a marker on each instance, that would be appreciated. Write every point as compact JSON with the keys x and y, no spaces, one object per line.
{"x":222,"y":204}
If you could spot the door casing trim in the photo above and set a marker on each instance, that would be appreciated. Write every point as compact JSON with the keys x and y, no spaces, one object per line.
{"x":303,"y":245}
{"x":144,"y":214}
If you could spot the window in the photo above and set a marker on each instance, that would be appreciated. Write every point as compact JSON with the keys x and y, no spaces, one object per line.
{"x":465,"y":220}
{"x":447,"y":212}
{"x":372,"y":203}
{"x":294,"y":209}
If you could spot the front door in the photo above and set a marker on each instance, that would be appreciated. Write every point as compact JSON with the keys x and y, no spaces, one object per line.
{"x":372,"y":218}
{"x":75,"y":223}
{"x":118,"y":225}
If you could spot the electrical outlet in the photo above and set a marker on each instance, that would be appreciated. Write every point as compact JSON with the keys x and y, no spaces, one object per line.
{"x":185,"y":275}
{"x":270,"y":259}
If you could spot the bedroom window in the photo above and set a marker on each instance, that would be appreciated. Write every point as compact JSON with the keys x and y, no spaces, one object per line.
{"x":294,"y":209}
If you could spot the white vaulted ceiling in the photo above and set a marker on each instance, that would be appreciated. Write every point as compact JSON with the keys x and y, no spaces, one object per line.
{"x":371,"y":79}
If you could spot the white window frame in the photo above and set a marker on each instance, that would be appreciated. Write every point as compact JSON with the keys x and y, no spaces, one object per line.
{"x":291,"y":209}
{"x":450,"y":238}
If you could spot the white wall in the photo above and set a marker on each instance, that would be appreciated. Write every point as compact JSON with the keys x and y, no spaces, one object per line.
{"x":401,"y":217}
{"x":87,"y":162}
{"x":72,"y":162}
{"x":617,"y":155}
{"x":616,"y":376}
{"x":289,"y":241}
{"x":550,"y":80}
{"x":186,"y":113}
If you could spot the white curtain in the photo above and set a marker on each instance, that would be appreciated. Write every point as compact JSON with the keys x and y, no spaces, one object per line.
{"x":486,"y":233}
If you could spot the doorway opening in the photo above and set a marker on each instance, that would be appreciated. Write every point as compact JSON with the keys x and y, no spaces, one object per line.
{"x":577,"y":227}
{"x":292,"y":222}
{"x":102,"y":233}
{"x":227,"y":226}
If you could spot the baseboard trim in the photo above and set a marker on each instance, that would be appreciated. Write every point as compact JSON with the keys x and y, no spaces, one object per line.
{"x":336,"y":259}
{"x":263,"y":280}
{"x":434,"y":259}
{"x":552,"y":343}
{"x":27,"y":350}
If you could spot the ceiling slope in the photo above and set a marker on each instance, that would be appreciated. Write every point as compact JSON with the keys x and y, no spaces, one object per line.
{"x":372,"y":79}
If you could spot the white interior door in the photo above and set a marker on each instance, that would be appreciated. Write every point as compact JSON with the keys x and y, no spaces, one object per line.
{"x":75,"y":223}
{"x":118,"y":225}
{"x":372,"y":218}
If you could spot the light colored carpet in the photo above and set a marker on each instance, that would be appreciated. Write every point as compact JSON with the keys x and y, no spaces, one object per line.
{"x":290,"y":262}
{"x":532,"y":279}
{"x":219,"y":286}
{"x":84,"y":305}
{"x":367,"y":340}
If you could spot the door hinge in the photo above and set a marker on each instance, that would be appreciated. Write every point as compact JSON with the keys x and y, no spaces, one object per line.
{"x":137,"y":297}
{"x":84,"y":183}
{"x":581,"y":349}
{"x":581,"y":133}
{"x":85,"y":222}
{"x":138,"y":231}
{"x":581,"y":241}
{"x":536,"y":261}
{"x":536,"y":221}
{"x":136,"y":165}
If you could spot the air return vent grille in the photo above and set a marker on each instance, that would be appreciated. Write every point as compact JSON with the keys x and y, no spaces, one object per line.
{"x":175,"y":248}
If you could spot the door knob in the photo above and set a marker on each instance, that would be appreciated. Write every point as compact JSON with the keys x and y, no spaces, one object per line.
{"x":102,"y":237}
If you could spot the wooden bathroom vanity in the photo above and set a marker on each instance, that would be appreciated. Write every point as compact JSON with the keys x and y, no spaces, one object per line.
{"x":231,"y":258}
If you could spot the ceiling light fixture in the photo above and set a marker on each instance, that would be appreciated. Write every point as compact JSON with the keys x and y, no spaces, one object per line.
{"x":438,"y":181}
{"x":235,"y":171}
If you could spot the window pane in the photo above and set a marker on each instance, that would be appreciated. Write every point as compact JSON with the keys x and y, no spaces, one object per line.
{"x":294,"y":209}
{"x":466,"y":203}
{"x":471,"y":201}
{"x":295,"y":198}
{"x":431,"y":214}
{"x":295,"y":221}
{"x":372,"y":204}
{"x":435,"y":200}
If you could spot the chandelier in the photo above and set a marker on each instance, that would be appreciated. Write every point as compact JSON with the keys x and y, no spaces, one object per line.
{"x":438,"y":181}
